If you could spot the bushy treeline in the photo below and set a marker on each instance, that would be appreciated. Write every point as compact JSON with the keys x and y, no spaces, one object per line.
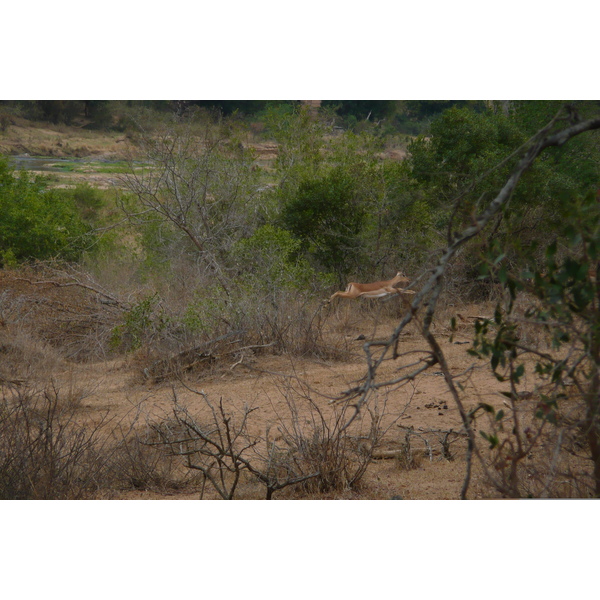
{"x":334,"y":207}
{"x":357,"y":213}
{"x":236,"y":245}
{"x":333,"y":201}
{"x":411,"y":117}
{"x":39,"y":222}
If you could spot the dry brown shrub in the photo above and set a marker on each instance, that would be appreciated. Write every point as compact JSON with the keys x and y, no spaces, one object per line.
{"x":24,"y":358}
{"x":331,"y":445}
{"x":139,"y":462}
{"x":49,"y":305}
{"x":45,"y":452}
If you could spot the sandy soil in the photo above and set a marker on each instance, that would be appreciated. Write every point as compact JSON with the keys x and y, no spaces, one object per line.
{"x":425,"y":405}
{"x":119,"y":389}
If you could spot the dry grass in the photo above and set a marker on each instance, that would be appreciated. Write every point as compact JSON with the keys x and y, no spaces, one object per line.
{"x":44,"y":139}
{"x":42,"y":325}
{"x":49,"y":306}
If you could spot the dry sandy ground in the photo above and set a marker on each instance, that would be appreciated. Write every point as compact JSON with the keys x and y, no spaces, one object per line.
{"x":265,"y":381}
{"x":269,"y":382}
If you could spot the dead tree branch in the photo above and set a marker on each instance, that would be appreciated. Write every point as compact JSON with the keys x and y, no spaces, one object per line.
{"x":425,"y":301}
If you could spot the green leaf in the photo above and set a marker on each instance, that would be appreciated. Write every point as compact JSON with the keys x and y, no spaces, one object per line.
{"x":497,"y":315}
{"x":491,"y":438}
{"x":503,"y":274}
{"x":518,"y":373}
{"x":495,"y":361}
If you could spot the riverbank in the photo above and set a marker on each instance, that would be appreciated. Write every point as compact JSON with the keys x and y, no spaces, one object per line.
{"x":21,"y":137}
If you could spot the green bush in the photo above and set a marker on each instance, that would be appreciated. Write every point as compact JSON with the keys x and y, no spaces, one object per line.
{"x":270,"y":259}
{"x":37,"y":222}
{"x":468,"y":156}
{"x":88,"y":199}
{"x":326,"y":214}
{"x":204,"y":314}
{"x":143,"y":321}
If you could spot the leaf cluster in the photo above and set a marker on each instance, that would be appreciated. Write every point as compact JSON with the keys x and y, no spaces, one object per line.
{"x":37,"y":222}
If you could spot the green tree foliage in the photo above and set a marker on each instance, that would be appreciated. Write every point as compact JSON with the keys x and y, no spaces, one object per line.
{"x":301,"y":145}
{"x":399,"y":230}
{"x":429,"y":109}
{"x":562,"y":302}
{"x":362,"y":109}
{"x":575,"y":164}
{"x":462,"y":145}
{"x":467,"y":154}
{"x":271,"y":259}
{"x":100,"y":111}
{"x":60,"y":111}
{"x":467,"y":157}
{"x":327,"y":215}
{"x":88,"y":200}
{"x":37,"y":222}
{"x":229,"y":107}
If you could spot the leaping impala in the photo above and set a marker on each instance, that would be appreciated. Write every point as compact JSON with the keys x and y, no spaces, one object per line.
{"x":377,"y":289}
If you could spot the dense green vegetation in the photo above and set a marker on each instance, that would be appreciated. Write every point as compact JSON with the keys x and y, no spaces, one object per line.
{"x":333,"y":202}
{"x":39,"y":222}
{"x":397,"y":116}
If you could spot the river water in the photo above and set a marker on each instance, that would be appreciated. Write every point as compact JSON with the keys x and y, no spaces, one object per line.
{"x":34,"y":163}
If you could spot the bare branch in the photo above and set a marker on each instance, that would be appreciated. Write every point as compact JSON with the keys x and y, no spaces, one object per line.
{"x":429,"y":294}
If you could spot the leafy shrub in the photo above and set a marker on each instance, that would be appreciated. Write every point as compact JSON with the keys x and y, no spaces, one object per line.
{"x":270,"y":259}
{"x":561,"y":301}
{"x":140,"y":323}
{"x":5,"y":121}
{"x":327,"y":217}
{"x":37,"y":222}
{"x":204,"y":313}
{"x":88,"y":200}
